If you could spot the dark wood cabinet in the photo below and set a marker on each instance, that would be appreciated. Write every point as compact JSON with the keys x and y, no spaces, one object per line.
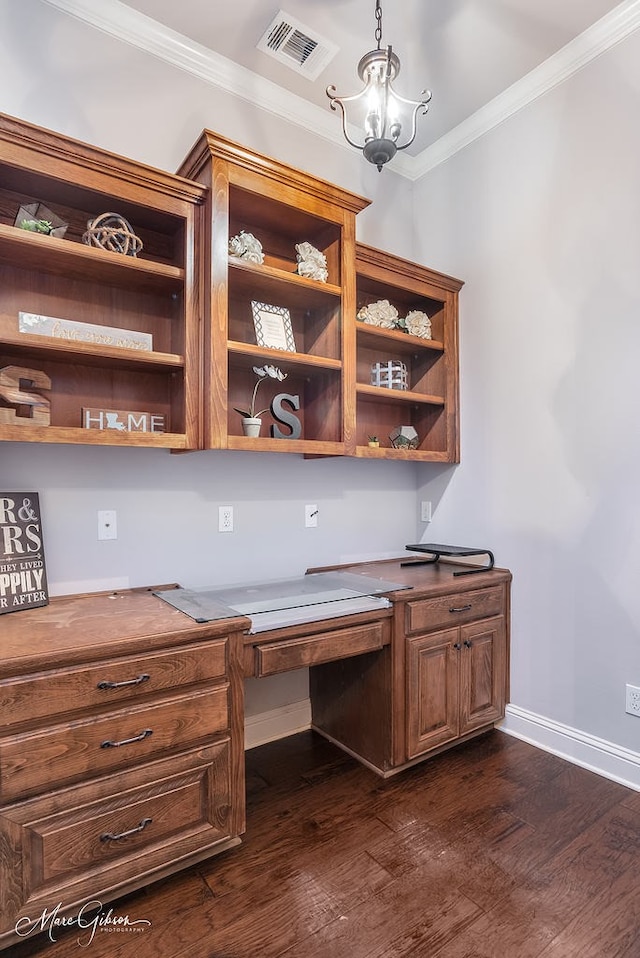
{"x":281,"y":207}
{"x":455,"y":683}
{"x":426,"y":398}
{"x":443,"y":677}
{"x":152,"y":294}
{"x":121,"y":749}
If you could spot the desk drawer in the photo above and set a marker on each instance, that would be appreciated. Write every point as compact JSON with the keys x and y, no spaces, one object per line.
{"x":445,"y":611}
{"x":63,"y":753}
{"x":78,"y":842}
{"x":109,"y":683}
{"x":287,"y":654}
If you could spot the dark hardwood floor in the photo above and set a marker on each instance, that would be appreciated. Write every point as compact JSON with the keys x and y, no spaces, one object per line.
{"x":492,"y":850}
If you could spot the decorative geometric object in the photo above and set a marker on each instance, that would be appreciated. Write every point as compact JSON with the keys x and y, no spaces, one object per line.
{"x":246,"y":246}
{"x":112,"y":232}
{"x":404,"y":437}
{"x":311,"y":262}
{"x":38,"y":218}
{"x":390,"y":375}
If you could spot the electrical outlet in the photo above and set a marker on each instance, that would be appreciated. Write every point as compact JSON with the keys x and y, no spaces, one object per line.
{"x":633,"y":700}
{"x":311,"y":517}
{"x":107,"y":525}
{"x":425,"y":511}
{"x":225,"y":518}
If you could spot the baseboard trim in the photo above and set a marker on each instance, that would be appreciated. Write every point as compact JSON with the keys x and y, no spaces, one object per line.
{"x":277,"y":723}
{"x":595,"y":754}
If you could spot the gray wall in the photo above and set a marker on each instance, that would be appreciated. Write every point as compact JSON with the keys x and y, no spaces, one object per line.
{"x":542,"y":219}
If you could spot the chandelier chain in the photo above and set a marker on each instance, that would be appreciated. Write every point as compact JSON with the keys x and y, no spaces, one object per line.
{"x":378,"y":33}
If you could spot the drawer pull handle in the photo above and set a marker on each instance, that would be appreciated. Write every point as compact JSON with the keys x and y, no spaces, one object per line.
{"x":457,"y":646}
{"x":467,"y":644}
{"x":120,"y":685}
{"x":128,"y":741}
{"x":461,"y":608}
{"x":110,"y":837}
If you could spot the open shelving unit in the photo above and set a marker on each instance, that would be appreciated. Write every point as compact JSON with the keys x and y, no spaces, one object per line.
{"x":281,"y":207}
{"x":154,"y":292}
{"x":430,"y":403}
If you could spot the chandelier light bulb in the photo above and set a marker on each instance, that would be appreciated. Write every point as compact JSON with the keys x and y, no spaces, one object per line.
{"x":387,"y":113}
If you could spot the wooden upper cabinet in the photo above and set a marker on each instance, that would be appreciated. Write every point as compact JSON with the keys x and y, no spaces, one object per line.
{"x":153,"y":292}
{"x":281,"y":207}
{"x":423,"y":372}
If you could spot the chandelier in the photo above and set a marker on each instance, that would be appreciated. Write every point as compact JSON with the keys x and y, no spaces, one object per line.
{"x":384,"y":114}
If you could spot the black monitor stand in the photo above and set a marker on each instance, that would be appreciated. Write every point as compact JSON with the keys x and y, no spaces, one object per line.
{"x":436,"y":551}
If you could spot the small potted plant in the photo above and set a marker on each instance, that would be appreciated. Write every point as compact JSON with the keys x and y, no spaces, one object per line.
{"x":374,"y":442}
{"x":251,"y":420}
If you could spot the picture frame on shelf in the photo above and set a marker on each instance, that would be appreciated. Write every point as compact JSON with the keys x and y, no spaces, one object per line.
{"x":273,"y":326}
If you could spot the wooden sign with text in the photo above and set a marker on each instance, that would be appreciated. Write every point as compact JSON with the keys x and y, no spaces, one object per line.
{"x":123,"y":420}
{"x":23,"y":578}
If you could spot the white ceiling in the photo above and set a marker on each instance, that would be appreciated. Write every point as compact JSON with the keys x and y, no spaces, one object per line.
{"x":467,"y":52}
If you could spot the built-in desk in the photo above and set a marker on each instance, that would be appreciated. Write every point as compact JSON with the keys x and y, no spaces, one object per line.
{"x":121,"y":719}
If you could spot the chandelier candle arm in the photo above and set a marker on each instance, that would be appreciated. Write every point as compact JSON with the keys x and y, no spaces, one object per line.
{"x":385,"y":109}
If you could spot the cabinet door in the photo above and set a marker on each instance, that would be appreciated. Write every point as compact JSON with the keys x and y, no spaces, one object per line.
{"x":432,"y":690}
{"x":482,"y":673}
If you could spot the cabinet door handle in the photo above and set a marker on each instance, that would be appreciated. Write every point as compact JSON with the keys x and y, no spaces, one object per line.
{"x":128,"y":741}
{"x":120,"y":685}
{"x":467,"y":644}
{"x":110,"y":837}
{"x":457,"y":646}
{"x":461,"y":608}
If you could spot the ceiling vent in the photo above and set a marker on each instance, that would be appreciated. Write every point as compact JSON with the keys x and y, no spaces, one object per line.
{"x":297,"y":46}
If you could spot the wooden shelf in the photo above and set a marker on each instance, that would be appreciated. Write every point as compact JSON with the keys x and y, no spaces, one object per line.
{"x":304,"y":446}
{"x":88,"y":354}
{"x":61,"y":257}
{"x":92,"y":437}
{"x":262,"y":282}
{"x":381,"y":394}
{"x":376,"y":336}
{"x":279,"y":357}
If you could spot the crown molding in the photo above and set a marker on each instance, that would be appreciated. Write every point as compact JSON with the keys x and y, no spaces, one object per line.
{"x":611,"y":29}
{"x":122,"y":22}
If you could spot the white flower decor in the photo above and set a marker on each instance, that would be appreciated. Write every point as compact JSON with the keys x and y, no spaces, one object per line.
{"x":311,"y":262}
{"x":246,"y":246}
{"x":262,"y":372}
{"x":418,"y":324}
{"x":381,"y":314}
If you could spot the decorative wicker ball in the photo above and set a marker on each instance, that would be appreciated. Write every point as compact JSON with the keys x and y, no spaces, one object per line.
{"x":111,"y":231}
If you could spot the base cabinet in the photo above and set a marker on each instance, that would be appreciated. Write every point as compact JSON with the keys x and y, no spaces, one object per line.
{"x":121,"y":751}
{"x":443,"y":677}
{"x":455,"y":683}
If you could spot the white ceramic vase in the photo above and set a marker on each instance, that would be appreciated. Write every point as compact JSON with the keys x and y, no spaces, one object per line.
{"x":251,"y":427}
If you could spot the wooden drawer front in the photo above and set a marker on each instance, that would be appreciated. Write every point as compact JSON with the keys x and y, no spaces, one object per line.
{"x":288,"y":654}
{"x":444,"y":611}
{"x":35,"y":760}
{"x":109,"y":683}
{"x":64,"y":844}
